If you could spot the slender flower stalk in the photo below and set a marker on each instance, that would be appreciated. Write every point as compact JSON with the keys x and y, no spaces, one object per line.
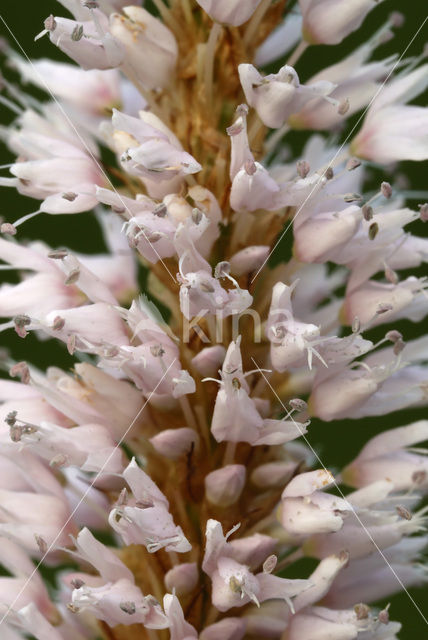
{"x":166,"y":479}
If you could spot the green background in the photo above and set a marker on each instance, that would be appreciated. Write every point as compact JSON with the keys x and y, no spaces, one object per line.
{"x":336,"y":442}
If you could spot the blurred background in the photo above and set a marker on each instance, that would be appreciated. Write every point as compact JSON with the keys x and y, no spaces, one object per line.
{"x":336,"y":442}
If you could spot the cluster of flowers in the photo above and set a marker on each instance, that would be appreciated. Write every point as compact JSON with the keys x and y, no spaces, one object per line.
{"x":177,"y":443}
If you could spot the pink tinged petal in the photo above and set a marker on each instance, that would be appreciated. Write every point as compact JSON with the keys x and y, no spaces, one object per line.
{"x":30,"y":514}
{"x":231,"y":12}
{"x":321,"y":580}
{"x":280,"y":431}
{"x":274,"y":588}
{"x":216,"y":546}
{"x":178,"y":627}
{"x":403,"y":88}
{"x":182,"y":578}
{"x":300,"y":518}
{"x":226,"y":629}
{"x":306,"y":625}
{"x":233,"y":585}
{"x":142,"y":486}
{"x":277,"y":96}
{"x":105,"y":561}
{"x":224,"y":486}
{"x":403,"y":299}
{"x":91,"y":50}
{"x":254,"y":190}
{"x":145,"y":37}
{"x":109,"y":603}
{"x":87,"y":281}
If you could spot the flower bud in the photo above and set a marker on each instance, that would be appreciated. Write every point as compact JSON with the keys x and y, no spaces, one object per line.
{"x":209,"y":360}
{"x":224,"y":486}
{"x":174,"y":443}
{"x":232,"y":12}
{"x":226,"y":629}
{"x":249,"y":259}
{"x":183,"y":578}
{"x":272,"y":474}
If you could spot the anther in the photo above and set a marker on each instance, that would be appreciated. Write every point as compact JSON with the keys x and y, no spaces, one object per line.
{"x":8,"y":229}
{"x":128,"y":607}
{"x":41,"y":543}
{"x":70,"y":196}
{"x":383,"y":616}
{"x":50,"y":23}
{"x":160,"y":210}
{"x":423,"y":212}
{"x":222,"y":269}
{"x":76,"y":583}
{"x":303,"y":168}
{"x":419,"y":477}
{"x":362,"y":611}
{"x":373,"y":230}
{"x":353,"y":163}
{"x":77,"y":33}
{"x":367,"y":212}
{"x":235,"y":383}
{"x":58,"y":461}
{"x":383,"y":307}
{"x":206,"y":286}
{"x":329,"y":173}
{"x":58,"y":323}
{"x":352,"y":197}
{"x":73,"y":276}
{"x":270,"y":564}
{"x":298,"y":405}
{"x":157,"y":351}
{"x":58,"y":254}
{"x":10,"y":419}
{"x":71,"y":344}
{"x":356,"y":325}
{"x":196,"y":215}
{"x":250,"y":167}
{"x":91,"y":4}
{"x":20,"y":369}
{"x":391,"y":275}
{"x":386,"y":190}
{"x":344,"y":106}
{"x":403,"y":512}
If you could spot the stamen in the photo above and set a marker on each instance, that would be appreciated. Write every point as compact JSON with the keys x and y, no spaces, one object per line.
{"x":77,"y":33}
{"x":58,"y":254}
{"x":21,"y":370}
{"x":73,"y":276}
{"x":367,"y":212}
{"x":298,"y":405}
{"x":353,"y":163}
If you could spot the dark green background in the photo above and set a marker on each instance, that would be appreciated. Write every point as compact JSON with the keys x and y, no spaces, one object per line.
{"x":337,"y":442}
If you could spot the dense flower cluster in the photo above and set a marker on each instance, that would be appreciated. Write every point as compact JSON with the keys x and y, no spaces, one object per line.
{"x":181,"y":445}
